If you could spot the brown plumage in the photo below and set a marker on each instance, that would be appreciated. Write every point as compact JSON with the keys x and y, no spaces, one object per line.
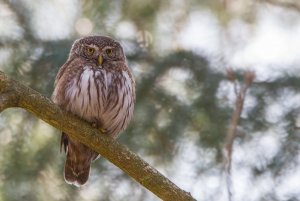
{"x":95,"y":84}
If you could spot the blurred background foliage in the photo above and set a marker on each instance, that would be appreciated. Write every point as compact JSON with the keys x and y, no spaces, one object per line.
{"x":179,"y":51}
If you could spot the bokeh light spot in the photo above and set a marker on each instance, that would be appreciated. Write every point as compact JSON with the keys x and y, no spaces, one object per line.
{"x":84,"y":26}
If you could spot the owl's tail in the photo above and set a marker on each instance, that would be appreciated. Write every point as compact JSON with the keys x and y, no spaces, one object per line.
{"x":76,"y":173}
{"x":78,"y":162}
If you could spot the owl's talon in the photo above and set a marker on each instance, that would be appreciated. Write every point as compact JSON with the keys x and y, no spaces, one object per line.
{"x":94,"y":125}
{"x":97,"y":124}
{"x":102,"y":130}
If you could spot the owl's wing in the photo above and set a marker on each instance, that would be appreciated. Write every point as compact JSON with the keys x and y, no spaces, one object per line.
{"x":64,"y":75}
{"x":61,"y":71}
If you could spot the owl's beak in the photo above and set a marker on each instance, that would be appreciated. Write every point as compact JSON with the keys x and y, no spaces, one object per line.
{"x":100,"y":60}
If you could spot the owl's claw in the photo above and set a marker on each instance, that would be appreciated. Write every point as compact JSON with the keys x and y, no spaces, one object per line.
{"x":102,"y":130}
{"x":97,"y":125}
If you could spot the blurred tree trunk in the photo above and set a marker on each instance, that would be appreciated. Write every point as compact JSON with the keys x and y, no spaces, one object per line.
{"x":14,"y":94}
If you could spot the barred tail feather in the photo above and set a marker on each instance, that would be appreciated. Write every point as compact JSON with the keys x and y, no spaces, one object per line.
{"x":76,"y":174}
{"x":78,"y":162}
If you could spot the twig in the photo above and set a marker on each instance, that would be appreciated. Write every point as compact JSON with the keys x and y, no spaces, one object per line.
{"x":235,"y":118}
{"x":284,"y":4}
{"x":14,"y":94}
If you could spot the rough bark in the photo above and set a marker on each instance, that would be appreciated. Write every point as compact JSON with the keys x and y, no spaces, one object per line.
{"x":14,"y":94}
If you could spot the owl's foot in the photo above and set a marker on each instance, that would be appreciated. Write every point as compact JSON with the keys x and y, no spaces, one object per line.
{"x":97,"y":125}
{"x":102,"y":130}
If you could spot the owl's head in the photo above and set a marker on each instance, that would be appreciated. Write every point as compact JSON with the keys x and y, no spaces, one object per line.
{"x":98,"y":49}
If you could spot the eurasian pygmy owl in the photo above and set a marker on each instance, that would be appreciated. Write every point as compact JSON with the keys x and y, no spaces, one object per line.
{"x":95,"y":84}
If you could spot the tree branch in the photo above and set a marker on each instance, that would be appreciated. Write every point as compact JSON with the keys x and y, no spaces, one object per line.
{"x":235,"y":118}
{"x":284,"y":4}
{"x":14,"y":94}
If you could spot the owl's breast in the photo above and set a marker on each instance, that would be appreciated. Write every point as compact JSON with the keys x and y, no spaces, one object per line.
{"x":103,"y":96}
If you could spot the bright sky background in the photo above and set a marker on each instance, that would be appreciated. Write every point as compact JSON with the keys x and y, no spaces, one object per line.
{"x":270,"y":47}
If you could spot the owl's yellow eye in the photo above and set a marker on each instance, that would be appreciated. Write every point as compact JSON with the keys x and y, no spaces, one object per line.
{"x":109,"y":52}
{"x":90,"y":50}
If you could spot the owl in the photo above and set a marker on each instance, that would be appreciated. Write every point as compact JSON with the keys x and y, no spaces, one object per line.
{"x":96,"y":85}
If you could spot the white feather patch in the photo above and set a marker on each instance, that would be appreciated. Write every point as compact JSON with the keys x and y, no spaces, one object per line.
{"x":92,"y":104}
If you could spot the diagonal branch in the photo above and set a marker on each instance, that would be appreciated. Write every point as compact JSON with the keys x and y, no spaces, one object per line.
{"x":14,"y":94}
